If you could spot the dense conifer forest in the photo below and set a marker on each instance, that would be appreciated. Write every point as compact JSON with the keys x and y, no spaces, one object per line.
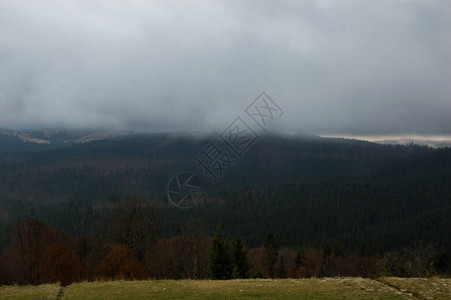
{"x":328,"y":207}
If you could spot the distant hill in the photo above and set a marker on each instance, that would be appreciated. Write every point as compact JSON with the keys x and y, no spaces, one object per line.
{"x":307,"y":190}
{"x":421,"y":142}
{"x":47,"y":139}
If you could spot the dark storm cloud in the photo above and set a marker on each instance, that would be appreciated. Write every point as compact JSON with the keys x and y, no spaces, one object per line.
{"x":348,"y":67}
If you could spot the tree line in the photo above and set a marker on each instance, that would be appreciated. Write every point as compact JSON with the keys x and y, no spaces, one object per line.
{"x":125,"y":246}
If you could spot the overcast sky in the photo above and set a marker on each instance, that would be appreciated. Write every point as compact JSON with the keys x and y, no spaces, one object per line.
{"x":335,"y":67}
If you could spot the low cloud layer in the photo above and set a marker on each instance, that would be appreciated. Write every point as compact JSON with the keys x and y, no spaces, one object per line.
{"x":335,"y":67}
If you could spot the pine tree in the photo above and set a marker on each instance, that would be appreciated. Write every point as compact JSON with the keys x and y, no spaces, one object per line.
{"x":282,"y":273}
{"x":219,"y":264}
{"x":299,"y":259}
{"x":239,"y":257}
{"x":271,"y":253}
{"x":322,"y":272}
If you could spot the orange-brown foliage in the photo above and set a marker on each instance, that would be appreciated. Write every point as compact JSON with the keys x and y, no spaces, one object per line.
{"x":61,"y":264}
{"x":313,"y":259}
{"x":121,"y":263}
{"x":256,"y":258}
{"x":289,"y":257}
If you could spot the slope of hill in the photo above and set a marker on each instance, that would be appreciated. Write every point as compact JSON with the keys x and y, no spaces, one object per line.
{"x":309,"y":191}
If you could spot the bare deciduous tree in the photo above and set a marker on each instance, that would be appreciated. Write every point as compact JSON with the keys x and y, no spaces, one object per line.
{"x":133,"y":225}
{"x":29,"y":241}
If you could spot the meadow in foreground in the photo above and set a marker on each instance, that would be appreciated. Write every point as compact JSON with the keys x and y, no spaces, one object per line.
{"x":313,"y":288}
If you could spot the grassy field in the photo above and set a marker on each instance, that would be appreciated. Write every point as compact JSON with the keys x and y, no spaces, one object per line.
{"x":326,"y":288}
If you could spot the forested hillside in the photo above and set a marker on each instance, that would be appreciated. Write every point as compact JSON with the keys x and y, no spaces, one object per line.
{"x":308,"y":191}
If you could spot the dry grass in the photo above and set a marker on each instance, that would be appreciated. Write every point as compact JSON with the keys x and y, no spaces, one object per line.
{"x":345,"y":288}
{"x":313,"y":288}
{"x":421,"y":288}
{"x":44,"y":291}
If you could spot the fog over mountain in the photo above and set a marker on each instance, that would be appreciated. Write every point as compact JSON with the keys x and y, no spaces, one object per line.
{"x":335,"y":67}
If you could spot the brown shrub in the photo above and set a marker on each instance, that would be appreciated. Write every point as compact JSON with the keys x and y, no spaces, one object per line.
{"x":120,"y":263}
{"x":256,"y":258}
{"x":289,"y":257}
{"x":313,"y":259}
{"x":61,"y":264}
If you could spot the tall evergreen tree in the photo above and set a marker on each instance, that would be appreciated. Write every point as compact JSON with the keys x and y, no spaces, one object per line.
{"x":220,"y":263}
{"x":271,"y":253}
{"x":299,"y":259}
{"x":323,"y":271}
{"x":281,"y":272}
{"x":239,"y":257}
